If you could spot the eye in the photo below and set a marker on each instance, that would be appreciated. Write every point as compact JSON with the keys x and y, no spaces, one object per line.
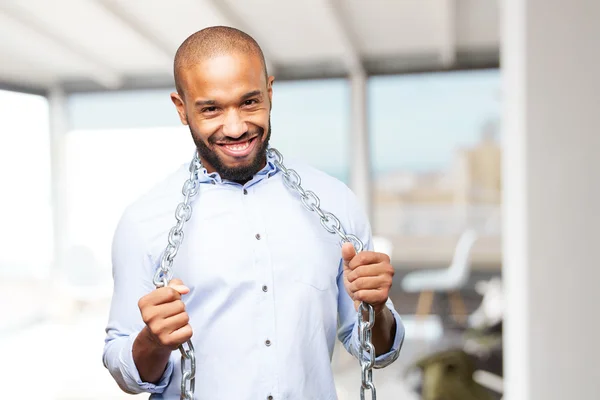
{"x":209,"y":109}
{"x":250,"y":102}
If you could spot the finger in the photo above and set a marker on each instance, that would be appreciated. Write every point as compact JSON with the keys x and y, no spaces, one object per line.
{"x":178,"y":285}
{"x":167,"y":310}
{"x":368,"y":283}
{"x":367,"y":257}
{"x":371,"y":296}
{"x":159,"y":296}
{"x":181,"y":335}
{"x":176,"y":322}
{"x":348,"y":252}
{"x":366,"y":270}
{"x":170,"y":293}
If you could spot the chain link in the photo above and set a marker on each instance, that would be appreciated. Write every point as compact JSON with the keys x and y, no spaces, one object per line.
{"x":164,"y":273}
{"x":333,"y":225}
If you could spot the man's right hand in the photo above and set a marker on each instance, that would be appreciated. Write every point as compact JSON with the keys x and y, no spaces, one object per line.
{"x":165,"y":317}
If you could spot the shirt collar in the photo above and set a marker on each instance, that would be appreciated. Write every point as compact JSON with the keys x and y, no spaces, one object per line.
{"x":214,"y":178}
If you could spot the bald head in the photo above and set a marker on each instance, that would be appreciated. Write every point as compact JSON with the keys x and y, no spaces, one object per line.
{"x":211,"y":42}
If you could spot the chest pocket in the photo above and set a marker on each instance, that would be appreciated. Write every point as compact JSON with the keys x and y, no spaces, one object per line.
{"x":321,"y":264}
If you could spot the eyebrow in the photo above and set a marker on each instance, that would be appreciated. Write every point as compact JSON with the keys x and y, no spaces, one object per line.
{"x":251,"y":94}
{"x":202,"y":103}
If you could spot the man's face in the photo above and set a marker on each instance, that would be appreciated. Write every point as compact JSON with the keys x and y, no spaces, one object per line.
{"x":227,"y":106}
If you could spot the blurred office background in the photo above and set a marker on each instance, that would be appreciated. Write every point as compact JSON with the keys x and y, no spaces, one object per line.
{"x":460,"y":160}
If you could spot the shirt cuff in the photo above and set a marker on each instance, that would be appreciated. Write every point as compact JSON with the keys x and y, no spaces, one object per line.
{"x":132,"y":376}
{"x":388,"y":358}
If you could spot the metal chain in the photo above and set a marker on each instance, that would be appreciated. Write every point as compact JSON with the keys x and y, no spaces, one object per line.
{"x":333,"y":225}
{"x":164,"y":274}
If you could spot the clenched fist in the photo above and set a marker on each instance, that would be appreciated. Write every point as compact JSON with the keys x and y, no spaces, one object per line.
{"x":165,"y":317}
{"x":367,"y":276}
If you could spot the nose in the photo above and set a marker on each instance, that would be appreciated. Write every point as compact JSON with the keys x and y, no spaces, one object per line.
{"x":234,"y":126}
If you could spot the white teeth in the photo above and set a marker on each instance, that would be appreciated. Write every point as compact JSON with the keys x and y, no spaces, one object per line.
{"x":238,"y":147}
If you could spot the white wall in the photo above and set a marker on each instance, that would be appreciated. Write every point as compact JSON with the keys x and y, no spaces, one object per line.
{"x":551,"y":68}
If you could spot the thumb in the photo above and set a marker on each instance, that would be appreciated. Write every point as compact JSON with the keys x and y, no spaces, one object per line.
{"x":348,"y":253}
{"x":178,"y":285}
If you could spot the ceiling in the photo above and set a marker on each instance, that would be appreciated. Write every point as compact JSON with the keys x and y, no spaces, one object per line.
{"x":89,"y":45}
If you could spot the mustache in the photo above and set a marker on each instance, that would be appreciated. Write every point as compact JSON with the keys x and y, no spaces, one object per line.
{"x":226,"y":139}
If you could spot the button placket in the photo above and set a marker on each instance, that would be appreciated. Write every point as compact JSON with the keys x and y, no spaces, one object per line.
{"x":264,"y":291}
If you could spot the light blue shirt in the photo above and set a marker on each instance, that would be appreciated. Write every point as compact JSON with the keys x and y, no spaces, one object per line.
{"x":267,"y":298}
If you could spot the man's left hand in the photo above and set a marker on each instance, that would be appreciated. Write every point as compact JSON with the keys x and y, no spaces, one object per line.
{"x":367,"y":276}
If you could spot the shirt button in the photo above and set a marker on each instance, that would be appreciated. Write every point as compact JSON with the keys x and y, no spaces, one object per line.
{"x":257,"y":236}
{"x":270,"y":398}
{"x":267,"y":342}
{"x":245,"y":191}
{"x":265,"y":288}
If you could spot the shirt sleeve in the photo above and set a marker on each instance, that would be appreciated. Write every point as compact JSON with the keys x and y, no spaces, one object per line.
{"x":358,"y":224}
{"x":132,"y":276}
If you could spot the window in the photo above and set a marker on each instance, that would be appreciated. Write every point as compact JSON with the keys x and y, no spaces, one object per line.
{"x":311,"y":123}
{"x":25,"y":212}
{"x":436,"y":160}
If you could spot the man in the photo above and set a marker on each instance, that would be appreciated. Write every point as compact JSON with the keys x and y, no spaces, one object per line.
{"x":259,"y":286}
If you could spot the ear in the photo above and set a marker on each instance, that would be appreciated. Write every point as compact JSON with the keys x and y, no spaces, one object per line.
{"x":270,"y":89}
{"x":180,"y":106}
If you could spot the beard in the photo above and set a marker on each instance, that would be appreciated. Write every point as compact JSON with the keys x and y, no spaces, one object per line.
{"x":242,"y":173}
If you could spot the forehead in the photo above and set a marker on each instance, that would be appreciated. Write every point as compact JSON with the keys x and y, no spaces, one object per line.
{"x":223,"y":76}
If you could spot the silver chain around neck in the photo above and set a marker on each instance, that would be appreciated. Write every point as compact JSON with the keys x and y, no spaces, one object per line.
{"x":331,"y":224}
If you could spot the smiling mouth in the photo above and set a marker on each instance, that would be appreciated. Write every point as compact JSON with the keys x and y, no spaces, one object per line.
{"x":239,"y":149}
